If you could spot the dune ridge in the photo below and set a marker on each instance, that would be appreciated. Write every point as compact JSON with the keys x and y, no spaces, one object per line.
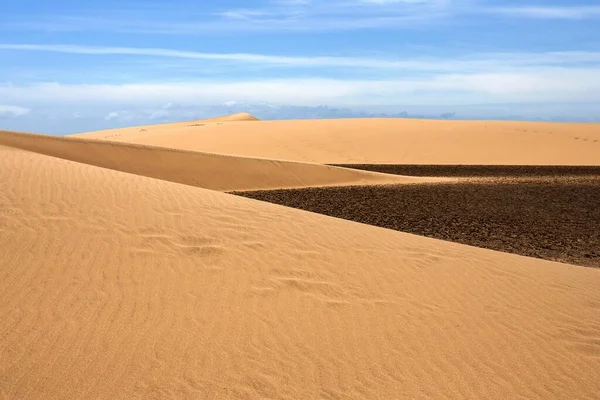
{"x":122,"y":286}
{"x":211,"y":171}
{"x":382,"y":141}
{"x":142,"y":131}
{"x":242,"y":116}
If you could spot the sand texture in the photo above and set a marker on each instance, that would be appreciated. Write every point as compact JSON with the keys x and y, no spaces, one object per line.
{"x":120,"y":282}
{"x":211,"y":171}
{"x":381,"y":141}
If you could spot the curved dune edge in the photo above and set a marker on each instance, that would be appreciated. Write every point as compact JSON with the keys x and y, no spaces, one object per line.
{"x":120,"y":286}
{"x":242,"y":116}
{"x":211,"y":171}
{"x":382,"y":141}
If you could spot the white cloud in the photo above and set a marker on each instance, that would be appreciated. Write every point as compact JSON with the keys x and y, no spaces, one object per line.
{"x":242,"y":14}
{"x":549,"y":84}
{"x":7,"y":111}
{"x":159,"y":114}
{"x":468,"y":63}
{"x":571,"y":12}
{"x":229,"y":103}
{"x":119,"y":115}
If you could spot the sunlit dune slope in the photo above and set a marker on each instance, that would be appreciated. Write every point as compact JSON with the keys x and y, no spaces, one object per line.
{"x":232,"y":118}
{"x":388,"y":141}
{"x":134,"y":132}
{"x":119,"y":286}
{"x":212,"y":171}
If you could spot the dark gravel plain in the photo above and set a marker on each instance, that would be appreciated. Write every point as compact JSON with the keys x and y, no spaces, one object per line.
{"x":486,"y":171}
{"x":551,"y":213}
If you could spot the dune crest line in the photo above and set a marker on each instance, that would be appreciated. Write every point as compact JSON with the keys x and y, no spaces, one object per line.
{"x":208,"y":170}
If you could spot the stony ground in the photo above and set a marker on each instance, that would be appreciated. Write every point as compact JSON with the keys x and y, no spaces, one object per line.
{"x":546,"y":212}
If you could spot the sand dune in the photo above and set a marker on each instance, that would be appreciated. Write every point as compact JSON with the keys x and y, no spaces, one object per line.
{"x":122,"y":286}
{"x":376,"y":141}
{"x":232,"y":118}
{"x":212,"y":171}
{"x":133,"y":133}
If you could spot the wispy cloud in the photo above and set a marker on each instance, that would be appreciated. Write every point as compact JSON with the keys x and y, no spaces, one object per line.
{"x":288,"y":16}
{"x":119,"y":115}
{"x":274,"y":15}
{"x":458,"y":88}
{"x":7,"y":111}
{"x":568,"y":12}
{"x":291,"y":16}
{"x":343,"y":14}
{"x":465,"y":63}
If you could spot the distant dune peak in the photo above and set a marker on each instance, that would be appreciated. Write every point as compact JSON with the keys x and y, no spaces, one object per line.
{"x":242,"y":116}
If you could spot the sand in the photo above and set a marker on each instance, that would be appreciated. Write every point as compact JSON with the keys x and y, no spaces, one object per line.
{"x":116,"y":285}
{"x":211,"y":171}
{"x":381,"y":141}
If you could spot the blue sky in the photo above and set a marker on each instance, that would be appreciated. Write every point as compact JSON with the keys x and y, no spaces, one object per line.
{"x":71,"y":65}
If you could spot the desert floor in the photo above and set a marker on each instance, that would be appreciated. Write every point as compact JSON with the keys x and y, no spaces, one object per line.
{"x":129,"y":269}
{"x":549,"y":216}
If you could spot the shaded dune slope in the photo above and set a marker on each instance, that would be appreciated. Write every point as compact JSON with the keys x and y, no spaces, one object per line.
{"x":211,"y":171}
{"x":121,"y":286}
{"x":382,"y":141}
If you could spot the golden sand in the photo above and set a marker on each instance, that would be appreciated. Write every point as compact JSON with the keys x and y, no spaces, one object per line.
{"x":381,"y":141}
{"x":129,"y":285}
